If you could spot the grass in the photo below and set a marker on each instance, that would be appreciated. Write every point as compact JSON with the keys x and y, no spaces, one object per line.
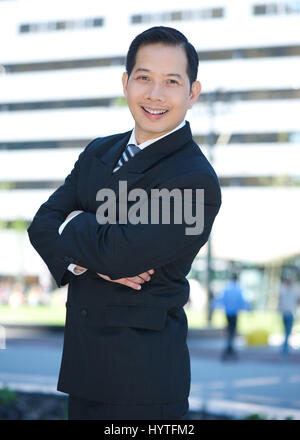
{"x":269,"y":321}
{"x":7,"y":396}
{"x":38,"y":315}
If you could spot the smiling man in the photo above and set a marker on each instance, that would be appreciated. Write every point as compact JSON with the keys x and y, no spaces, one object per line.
{"x":158,"y":88}
{"x":125,"y":354}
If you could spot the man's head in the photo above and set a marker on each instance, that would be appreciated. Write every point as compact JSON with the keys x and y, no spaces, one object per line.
{"x":161,"y":76}
{"x":169,"y":37}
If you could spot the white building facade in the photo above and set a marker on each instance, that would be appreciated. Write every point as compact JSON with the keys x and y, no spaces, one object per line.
{"x":60,"y":86}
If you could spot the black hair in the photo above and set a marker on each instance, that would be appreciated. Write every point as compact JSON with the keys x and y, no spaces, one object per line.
{"x":168,"y":36}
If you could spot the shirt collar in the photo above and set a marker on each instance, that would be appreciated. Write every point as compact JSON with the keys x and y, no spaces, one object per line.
{"x":132,"y":139}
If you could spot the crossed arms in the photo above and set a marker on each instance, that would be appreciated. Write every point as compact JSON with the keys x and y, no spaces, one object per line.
{"x":117,"y":251}
{"x":133,"y":282}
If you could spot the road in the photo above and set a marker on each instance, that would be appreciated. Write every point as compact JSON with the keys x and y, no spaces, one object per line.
{"x":261,"y":381}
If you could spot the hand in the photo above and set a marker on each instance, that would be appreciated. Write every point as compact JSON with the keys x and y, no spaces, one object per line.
{"x":134,"y":282}
{"x":79,"y":269}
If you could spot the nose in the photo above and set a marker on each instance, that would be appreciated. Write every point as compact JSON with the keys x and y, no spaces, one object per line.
{"x":155,"y":93}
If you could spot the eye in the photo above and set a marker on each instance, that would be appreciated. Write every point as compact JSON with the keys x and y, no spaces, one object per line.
{"x":172,"y":81}
{"x":143,"y":77}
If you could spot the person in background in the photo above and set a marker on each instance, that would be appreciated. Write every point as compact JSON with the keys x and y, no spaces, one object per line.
{"x":287,"y":304}
{"x":231,"y":299}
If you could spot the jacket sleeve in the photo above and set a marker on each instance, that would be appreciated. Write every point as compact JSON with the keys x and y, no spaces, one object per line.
{"x":43,"y":230}
{"x":125,"y":250}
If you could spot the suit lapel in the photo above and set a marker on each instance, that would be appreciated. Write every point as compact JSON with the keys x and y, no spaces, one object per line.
{"x":102,"y":164}
{"x":160,"y":149}
{"x":101,"y":173}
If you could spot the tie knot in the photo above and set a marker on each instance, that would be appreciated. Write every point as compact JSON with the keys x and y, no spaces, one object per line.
{"x":132,"y":149}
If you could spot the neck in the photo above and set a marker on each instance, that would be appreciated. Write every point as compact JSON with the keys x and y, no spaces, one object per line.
{"x":144,"y":137}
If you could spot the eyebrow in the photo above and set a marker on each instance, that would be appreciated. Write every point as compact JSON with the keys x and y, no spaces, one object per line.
{"x":141,"y":69}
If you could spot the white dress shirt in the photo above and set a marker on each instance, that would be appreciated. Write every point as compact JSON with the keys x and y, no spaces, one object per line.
{"x":132,"y":140}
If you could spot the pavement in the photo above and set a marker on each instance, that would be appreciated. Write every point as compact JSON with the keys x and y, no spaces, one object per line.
{"x":260,"y":381}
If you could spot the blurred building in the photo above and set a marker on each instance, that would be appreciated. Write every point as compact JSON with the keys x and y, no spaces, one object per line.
{"x":60,"y":86}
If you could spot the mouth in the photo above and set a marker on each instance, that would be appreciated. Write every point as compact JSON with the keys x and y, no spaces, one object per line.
{"x":154,"y":114}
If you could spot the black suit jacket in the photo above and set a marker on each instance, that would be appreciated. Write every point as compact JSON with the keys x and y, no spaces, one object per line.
{"x":121,"y":345}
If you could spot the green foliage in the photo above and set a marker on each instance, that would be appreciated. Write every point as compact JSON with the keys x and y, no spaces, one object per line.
{"x":255,"y":417}
{"x":263,"y":417}
{"x":7,"y":396}
{"x":39,"y":315}
{"x":120,"y":102}
{"x":19,"y":225}
{"x":264,"y":320}
{"x":3,"y":224}
{"x":7,"y":185}
{"x":65,"y":412}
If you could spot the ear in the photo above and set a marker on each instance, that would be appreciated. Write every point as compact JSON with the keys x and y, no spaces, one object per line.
{"x":124,"y":82}
{"x":194,"y":93}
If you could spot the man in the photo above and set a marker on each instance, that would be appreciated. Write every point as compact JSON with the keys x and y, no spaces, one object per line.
{"x":125,"y":354}
{"x":287,"y":306}
{"x":232,"y":300}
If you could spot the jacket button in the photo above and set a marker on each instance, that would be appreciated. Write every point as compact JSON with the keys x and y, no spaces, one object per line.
{"x":84,"y":313}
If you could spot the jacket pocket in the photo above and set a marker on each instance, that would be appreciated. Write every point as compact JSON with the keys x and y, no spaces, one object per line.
{"x":144,"y":317}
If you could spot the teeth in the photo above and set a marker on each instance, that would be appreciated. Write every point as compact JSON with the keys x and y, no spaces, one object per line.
{"x":154,"y":112}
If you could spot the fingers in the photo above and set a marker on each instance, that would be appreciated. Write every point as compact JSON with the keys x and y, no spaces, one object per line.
{"x":133,"y":282}
{"x":129,"y":283}
{"x":79,"y":268}
{"x":146,"y":275}
{"x":125,"y":281}
{"x":142,"y":277}
{"x":106,"y":277}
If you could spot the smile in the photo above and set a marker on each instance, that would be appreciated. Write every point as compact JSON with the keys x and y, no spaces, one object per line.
{"x":154,"y":112}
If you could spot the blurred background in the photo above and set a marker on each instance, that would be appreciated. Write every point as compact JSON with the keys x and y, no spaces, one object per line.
{"x":60,"y":86}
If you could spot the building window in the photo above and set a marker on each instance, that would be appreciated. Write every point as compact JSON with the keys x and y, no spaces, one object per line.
{"x":236,"y":138}
{"x":175,"y":16}
{"x":243,"y":95}
{"x":279,"y":8}
{"x":136,"y":19}
{"x":183,"y":15}
{"x":210,"y":55}
{"x":61,"y":25}
{"x":217,"y":13}
{"x":24,"y":28}
{"x":97,"y":22}
{"x":259,"y":10}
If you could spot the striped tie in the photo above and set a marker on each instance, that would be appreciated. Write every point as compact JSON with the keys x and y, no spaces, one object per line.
{"x":130,"y":151}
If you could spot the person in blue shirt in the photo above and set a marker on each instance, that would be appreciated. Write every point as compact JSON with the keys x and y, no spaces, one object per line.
{"x":231,"y":299}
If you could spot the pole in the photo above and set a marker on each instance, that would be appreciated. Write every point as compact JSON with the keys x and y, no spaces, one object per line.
{"x":210,"y":143}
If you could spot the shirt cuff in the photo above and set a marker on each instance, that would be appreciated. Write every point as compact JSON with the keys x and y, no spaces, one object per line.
{"x":64,"y":224}
{"x":72,"y":269}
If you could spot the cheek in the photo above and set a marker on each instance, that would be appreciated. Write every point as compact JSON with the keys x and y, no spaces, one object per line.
{"x":134,"y":101}
{"x":179,"y":100}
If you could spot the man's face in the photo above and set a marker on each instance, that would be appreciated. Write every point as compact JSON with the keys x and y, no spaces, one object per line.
{"x":158,"y":91}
